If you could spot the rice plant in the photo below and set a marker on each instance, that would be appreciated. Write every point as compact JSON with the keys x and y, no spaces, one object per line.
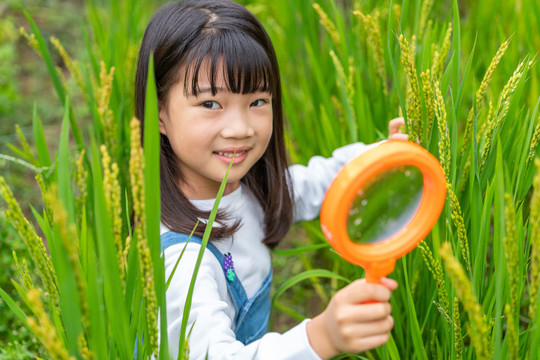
{"x":466,"y":81}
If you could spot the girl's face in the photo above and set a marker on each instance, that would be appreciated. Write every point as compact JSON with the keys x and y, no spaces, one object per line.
{"x":206,"y":130}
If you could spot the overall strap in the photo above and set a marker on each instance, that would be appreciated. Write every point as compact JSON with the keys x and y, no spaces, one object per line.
{"x":236,"y":290}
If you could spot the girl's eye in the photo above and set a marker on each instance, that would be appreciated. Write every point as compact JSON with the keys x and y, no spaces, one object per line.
{"x":210,"y":105}
{"x":259,"y":102}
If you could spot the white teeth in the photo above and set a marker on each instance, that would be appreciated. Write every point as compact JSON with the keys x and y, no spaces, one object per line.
{"x":229,"y":154}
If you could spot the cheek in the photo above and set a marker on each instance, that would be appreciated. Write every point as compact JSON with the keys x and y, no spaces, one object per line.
{"x":265,"y":129}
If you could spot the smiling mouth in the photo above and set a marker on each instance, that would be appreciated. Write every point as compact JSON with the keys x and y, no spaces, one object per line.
{"x":230,"y":154}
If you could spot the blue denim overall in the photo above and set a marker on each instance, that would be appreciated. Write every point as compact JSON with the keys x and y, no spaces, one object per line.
{"x":252,"y":315}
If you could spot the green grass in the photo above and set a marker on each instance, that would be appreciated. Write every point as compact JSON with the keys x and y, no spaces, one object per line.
{"x":337,"y":90}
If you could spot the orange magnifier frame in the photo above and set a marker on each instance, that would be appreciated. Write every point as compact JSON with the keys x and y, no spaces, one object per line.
{"x":378,"y":259}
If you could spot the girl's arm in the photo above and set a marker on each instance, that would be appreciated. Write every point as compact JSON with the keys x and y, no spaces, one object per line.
{"x":310,"y":182}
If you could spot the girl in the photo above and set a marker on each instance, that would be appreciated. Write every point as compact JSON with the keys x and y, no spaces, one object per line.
{"x":219,"y":95}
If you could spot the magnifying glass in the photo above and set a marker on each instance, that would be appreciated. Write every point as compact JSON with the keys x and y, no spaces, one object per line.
{"x":382,"y":204}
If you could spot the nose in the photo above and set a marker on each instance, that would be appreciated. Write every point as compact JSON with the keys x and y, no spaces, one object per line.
{"x":237,"y":125}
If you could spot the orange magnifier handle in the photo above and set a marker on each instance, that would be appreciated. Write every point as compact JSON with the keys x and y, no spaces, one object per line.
{"x":371,"y":217}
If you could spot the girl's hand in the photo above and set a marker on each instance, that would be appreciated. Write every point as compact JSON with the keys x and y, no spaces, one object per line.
{"x":348,"y":325}
{"x":394,"y":129}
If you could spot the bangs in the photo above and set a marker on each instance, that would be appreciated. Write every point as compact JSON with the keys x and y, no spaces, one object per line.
{"x":244,"y":64}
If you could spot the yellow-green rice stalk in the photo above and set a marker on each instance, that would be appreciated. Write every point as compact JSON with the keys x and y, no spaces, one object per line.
{"x":436,"y":270}
{"x":511,"y":333}
{"x":481,"y":92}
{"x":31,"y":39}
{"x":47,"y":208}
{"x":443,"y":312}
{"x":445,"y":48}
{"x":33,"y":243}
{"x":414,"y":113}
{"x":427,"y":5}
{"x":125,"y":253}
{"x":113,"y":201}
{"x":61,"y":76}
{"x":41,"y":325}
{"x":339,"y":109}
{"x":85,"y":352}
{"x":26,"y":147}
{"x":511,"y":250}
{"x":429,"y":100}
{"x":342,"y":79}
{"x":463,"y":286}
{"x":371,"y":27}
{"x":502,"y":109}
{"x":480,"y":132}
{"x":534,"y":142}
{"x":534,"y":269}
{"x":459,"y":223}
{"x":70,"y":240}
{"x":80,"y":179}
{"x":444,"y":137}
{"x":129,"y":67}
{"x":106,"y":115}
{"x":397,"y":15}
{"x":72,"y":65}
{"x":437,"y":65}
{"x":489,"y":118}
{"x":458,"y":338}
{"x":329,"y":26}
{"x":136,"y":171}
{"x":23,"y":272}
{"x":435,"y":55}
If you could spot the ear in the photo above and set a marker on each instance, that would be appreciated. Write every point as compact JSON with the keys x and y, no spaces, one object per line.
{"x":163,"y":118}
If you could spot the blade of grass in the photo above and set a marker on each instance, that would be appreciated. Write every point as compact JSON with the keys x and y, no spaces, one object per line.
{"x":152,"y":197}
{"x":206,"y":236}
{"x":46,"y":55}
{"x":39,"y":139}
{"x":316,"y":273}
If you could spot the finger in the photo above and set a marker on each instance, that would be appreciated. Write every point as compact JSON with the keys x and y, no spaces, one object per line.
{"x":399,"y":136}
{"x":366,"y":330}
{"x":377,"y":327}
{"x":371,"y":342}
{"x":360,"y":291}
{"x":391,"y":284}
{"x":366,"y":313}
{"x":394,"y":126}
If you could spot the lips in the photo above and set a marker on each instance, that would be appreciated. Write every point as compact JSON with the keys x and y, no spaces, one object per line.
{"x":226,"y":155}
{"x":230,"y":154}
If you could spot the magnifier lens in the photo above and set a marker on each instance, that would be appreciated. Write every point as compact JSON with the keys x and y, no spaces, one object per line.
{"x":385,"y":204}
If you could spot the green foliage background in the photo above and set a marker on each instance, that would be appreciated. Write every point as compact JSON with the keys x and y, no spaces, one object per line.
{"x":340,"y":86}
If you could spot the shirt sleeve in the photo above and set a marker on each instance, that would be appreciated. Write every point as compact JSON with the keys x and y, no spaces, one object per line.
{"x":212,"y":313}
{"x":310,"y":182}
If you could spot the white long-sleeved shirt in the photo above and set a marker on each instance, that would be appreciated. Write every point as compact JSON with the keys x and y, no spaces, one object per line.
{"x":212,"y":310}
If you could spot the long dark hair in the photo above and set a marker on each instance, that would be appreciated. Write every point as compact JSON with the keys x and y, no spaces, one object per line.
{"x":181,"y":36}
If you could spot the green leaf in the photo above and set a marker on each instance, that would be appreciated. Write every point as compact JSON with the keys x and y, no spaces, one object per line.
{"x":14,"y":307}
{"x":300,"y":250}
{"x":152,"y":195}
{"x":46,"y":55}
{"x":316,"y":273}
{"x":206,"y":236}
{"x":40,"y":142}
